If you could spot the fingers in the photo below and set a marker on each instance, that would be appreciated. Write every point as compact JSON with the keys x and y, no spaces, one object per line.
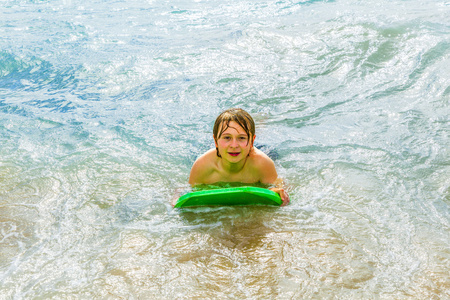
{"x":283,"y":195}
{"x":284,"y":198}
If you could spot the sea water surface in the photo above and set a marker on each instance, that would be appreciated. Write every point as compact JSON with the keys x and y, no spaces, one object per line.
{"x":105,"y":105}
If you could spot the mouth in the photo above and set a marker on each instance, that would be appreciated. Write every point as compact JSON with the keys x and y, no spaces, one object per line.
{"x":234,"y":153}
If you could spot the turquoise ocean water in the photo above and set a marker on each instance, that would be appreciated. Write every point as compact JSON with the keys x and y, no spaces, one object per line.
{"x":104,"y":106}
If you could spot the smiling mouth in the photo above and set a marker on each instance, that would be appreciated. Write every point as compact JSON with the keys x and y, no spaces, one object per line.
{"x":234,"y":153}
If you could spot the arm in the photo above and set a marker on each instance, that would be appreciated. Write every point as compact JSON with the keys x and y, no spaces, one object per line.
{"x":270,"y":176}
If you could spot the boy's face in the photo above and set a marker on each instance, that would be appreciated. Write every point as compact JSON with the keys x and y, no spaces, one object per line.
{"x":233,"y":144}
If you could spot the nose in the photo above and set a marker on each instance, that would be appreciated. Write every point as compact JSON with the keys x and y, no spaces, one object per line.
{"x":234,"y":143}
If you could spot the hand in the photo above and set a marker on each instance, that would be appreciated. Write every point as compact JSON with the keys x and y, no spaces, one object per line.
{"x":283,"y":195}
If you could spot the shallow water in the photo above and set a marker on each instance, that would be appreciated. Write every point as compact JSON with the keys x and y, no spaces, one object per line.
{"x":105,"y":105}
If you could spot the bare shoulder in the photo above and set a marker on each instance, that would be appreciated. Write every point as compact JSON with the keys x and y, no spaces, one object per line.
{"x":261,"y":159}
{"x":203,"y":167}
{"x":264,"y":165}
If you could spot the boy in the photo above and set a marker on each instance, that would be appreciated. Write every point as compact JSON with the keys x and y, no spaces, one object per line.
{"x":235,"y":159}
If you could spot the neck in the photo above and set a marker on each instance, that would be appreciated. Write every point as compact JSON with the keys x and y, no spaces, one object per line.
{"x":232,"y":167}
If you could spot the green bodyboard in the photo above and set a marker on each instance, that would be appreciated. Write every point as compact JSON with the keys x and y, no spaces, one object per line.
{"x":245,"y":195}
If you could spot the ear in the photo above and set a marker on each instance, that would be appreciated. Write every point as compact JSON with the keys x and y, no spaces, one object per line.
{"x":253,"y":140}
{"x":215,"y":141}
